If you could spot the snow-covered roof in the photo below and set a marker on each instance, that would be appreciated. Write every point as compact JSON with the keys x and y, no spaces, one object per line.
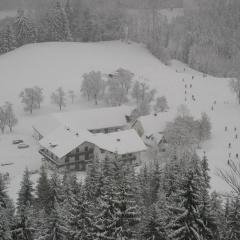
{"x":155,"y":123}
{"x":121,"y":142}
{"x":45,"y":125}
{"x":63,"y":140}
{"x":90,"y":119}
{"x":95,"y":118}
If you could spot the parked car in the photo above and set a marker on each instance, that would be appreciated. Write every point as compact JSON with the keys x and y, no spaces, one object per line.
{"x":17,"y":141}
{"x":23,"y":145}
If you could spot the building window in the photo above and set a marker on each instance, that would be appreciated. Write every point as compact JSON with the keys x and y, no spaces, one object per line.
{"x":77,"y":150}
{"x":86,"y":149}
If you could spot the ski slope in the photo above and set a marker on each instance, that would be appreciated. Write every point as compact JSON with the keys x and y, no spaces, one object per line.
{"x":50,"y":65}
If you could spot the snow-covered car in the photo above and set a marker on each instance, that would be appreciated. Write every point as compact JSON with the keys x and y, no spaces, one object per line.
{"x":17,"y":141}
{"x":23,"y":145}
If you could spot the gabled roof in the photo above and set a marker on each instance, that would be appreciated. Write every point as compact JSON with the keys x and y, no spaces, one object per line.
{"x":95,"y":118}
{"x":121,"y":142}
{"x":155,"y":123}
{"x":45,"y":125}
{"x":64,"y":139}
{"x":84,"y":119}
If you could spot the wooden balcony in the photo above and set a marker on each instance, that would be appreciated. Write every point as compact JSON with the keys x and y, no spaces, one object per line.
{"x":47,"y":157}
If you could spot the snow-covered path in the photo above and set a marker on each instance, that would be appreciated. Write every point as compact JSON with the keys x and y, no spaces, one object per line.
{"x":50,"y":65}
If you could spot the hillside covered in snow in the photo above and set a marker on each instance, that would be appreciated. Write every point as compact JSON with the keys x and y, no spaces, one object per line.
{"x":51,"y":65}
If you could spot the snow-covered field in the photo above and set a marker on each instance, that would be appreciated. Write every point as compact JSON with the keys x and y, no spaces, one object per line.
{"x":50,"y":65}
{"x":10,"y":13}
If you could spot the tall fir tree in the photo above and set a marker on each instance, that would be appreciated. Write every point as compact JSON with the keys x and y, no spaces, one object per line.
{"x":56,"y":189}
{"x":233,"y":219}
{"x":154,"y":226}
{"x":59,"y":25}
{"x":93,"y":181}
{"x":155,"y":182}
{"x":186,"y":222}
{"x":43,"y":191}
{"x":6,"y":212}
{"x":7,"y":40}
{"x":80,"y":221}
{"x":25,"y":195}
{"x":127,"y":211}
{"x":55,"y":225}
{"x":25,"y":30}
{"x":70,"y":15}
{"x":87,"y":26}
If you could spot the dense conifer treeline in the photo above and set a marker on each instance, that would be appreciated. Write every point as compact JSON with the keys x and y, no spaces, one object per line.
{"x":170,"y":201}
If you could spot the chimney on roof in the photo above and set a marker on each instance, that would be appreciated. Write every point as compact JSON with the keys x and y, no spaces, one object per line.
{"x":118,"y":139}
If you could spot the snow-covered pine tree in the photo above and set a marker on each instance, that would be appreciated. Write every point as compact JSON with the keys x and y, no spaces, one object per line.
{"x":205,"y":171}
{"x":201,"y":171}
{"x":70,"y":183}
{"x":6,"y":212}
{"x":233,"y":220}
{"x":127,"y":211}
{"x":25,"y":195}
{"x":172,"y":173}
{"x":55,"y":226}
{"x":154,"y":224}
{"x":59,"y":25}
{"x":186,"y":222}
{"x":104,"y":224}
{"x":43,"y":191}
{"x":220,"y":218}
{"x":144,"y":197}
{"x":204,"y":128}
{"x":39,"y":224}
{"x":23,"y":228}
{"x":87,"y":26}
{"x":155,"y":182}
{"x":93,"y":181}
{"x":56,"y":189}
{"x":70,"y":15}
{"x":81,"y":218}
{"x":24,"y":29}
{"x":7,"y":40}
{"x":5,"y":227}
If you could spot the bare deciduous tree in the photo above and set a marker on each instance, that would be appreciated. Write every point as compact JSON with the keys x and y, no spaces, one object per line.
{"x":11,"y":119}
{"x":58,"y":98}
{"x":232,"y":175}
{"x":72,"y":95}
{"x":93,"y":85}
{"x":28,"y":96}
